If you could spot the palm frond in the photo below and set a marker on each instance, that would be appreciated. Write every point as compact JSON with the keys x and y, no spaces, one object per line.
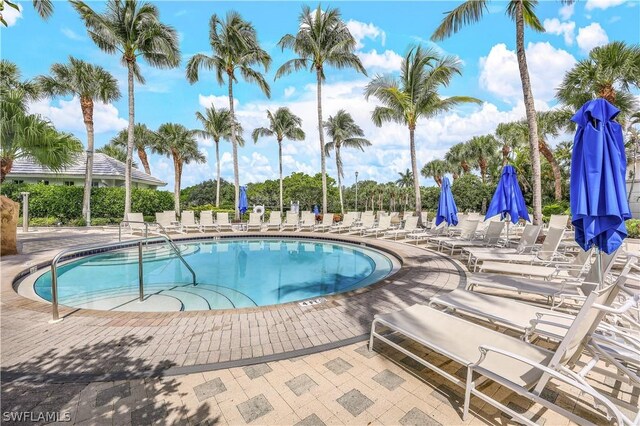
{"x":469,"y":12}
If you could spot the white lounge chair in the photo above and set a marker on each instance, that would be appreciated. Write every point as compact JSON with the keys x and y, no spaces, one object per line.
{"x":290,"y":222}
{"x":491,"y":236}
{"x":167,"y":223}
{"x":467,"y":232}
{"x":188,"y":221}
{"x":206,"y":221}
{"x":325,"y":225}
{"x":383,"y":226}
{"x":347,"y":222}
{"x":255,"y":222}
{"x":135,"y":223}
{"x":308,"y":222}
{"x":222,"y":221}
{"x":275,"y":221}
{"x":367,"y":222}
{"x":410,"y":225}
{"x":526,"y":244}
{"x":558,"y":221}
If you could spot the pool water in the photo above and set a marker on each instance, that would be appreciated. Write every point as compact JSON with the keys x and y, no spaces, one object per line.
{"x":233,"y":273}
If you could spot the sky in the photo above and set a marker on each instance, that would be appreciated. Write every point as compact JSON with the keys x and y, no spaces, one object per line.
{"x":384,"y":32}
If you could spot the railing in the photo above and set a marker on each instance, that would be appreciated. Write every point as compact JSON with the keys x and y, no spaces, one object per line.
{"x":139,"y":243}
{"x":146,"y":227}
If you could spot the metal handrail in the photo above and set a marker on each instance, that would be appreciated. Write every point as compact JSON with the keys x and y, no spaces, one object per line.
{"x":146,"y":227}
{"x":138,"y":242}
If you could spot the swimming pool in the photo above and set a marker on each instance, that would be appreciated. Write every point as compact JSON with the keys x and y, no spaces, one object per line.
{"x":231,"y":273}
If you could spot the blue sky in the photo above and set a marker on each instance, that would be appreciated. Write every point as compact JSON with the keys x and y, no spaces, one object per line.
{"x":384,"y":30}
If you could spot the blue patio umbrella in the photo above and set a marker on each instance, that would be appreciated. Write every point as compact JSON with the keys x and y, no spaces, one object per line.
{"x":243,"y":203}
{"x":508,"y":199}
{"x":599,"y":204}
{"x":447,"y":210}
{"x":316,"y":210}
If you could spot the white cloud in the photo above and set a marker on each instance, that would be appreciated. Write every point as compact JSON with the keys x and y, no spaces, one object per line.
{"x":386,"y":61}
{"x":499,"y":72}
{"x":591,"y":36}
{"x":361,"y":30}
{"x":602,"y":4}
{"x":11,"y":15}
{"x":67,"y":115}
{"x":566,"y":11}
{"x":289,"y":91}
{"x":567,"y":29}
{"x":217,"y":101}
{"x":69,"y":33}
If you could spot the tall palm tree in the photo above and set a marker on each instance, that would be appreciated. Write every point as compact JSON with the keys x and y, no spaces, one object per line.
{"x":415,"y":95}
{"x":44,"y":8}
{"x":510,"y":135}
{"x":435,"y":169}
{"x":217,"y":125}
{"x":551,"y":124}
{"x":456,"y":156}
{"x":235,"y":49}
{"x":114,"y":151}
{"x":11,"y":79}
{"x":282,"y":124}
{"x":29,"y":135}
{"x":89,"y":83}
{"x":344,"y":133}
{"x":143,"y":139}
{"x":522,"y":12}
{"x":405,"y":182}
{"x":610,"y":72}
{"x":481,"y":149}
{"x":131,"y":29}
{"x":179,"y":143}
{"x":322,"y":39}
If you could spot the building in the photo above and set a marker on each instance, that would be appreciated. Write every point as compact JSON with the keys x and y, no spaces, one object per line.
{"x":107,"y":171}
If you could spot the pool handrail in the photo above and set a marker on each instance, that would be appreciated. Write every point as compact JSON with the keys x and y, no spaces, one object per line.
{"x":121,"y":244}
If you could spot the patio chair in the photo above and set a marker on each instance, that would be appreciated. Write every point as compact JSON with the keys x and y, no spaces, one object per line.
{"x":290,"y":222}
{"x":467,"y":232}
{"x":434,"y":231}
{"x":383,"y":226}
{"x":325,"y":225}
{"x":255,"y":222}
{"x":367,"y":222}
{"x":558,"y":221}
{"x":410,"y":225}
{"x":426,"y":223}
{"x":135,"y":223}
{"x":222,"y":221}
{"x":519,"y":366}
{"x":308,"y":222}
{"x":347,"y":222}
{"x":166,"y":222}
{"x":188,"y":221}
{"x":491,"y":236}
{"x":526,"y":244}
{"x":275,"y":221}
{"x":206,"y":221}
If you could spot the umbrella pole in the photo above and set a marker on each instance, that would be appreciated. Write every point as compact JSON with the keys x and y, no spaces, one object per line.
{"x":599,"y":266}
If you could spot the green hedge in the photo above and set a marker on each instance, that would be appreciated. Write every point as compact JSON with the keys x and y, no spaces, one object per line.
{"x":633,"y":228}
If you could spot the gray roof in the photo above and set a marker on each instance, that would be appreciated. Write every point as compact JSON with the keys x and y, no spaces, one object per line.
{"x":104,"y":167}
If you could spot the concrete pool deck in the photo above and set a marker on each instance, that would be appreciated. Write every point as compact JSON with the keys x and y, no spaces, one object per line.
{"x":222,"y":367}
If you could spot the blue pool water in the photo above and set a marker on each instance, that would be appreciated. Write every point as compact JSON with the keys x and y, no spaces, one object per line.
{"x":230,"y":274}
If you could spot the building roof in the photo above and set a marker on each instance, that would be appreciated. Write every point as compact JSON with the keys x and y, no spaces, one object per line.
{"x":104,"y":167}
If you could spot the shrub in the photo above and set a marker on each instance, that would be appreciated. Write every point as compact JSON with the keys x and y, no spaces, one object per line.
{"x":633,"y":228}
{"x":470,"y":193}
{"x":555,"y":208}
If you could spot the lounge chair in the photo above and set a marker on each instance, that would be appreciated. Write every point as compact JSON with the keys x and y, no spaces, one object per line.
{"x":367,"y":222}
{"x":519,"y":366}
{"x":255,"y":222}
{"x":558,"y":221}
{"x":347,"y":222}
{"x":166,"y":222}
{"x":526,"y":244}
{"x":275,"y":221}
{"x":383,"y":226}
{"x":467,"y":232}
{"x":308,"y":222}
{"x":222,"y":221}
{"x":290,"y":222}
{"x":206,"y":221}
{"x":325,"y":225}
{"x":135,"y":223}
{"x":188,"y":221}
{"x":491,"y":236}
{"x":434,"y":231}
{"x":410,"y":225}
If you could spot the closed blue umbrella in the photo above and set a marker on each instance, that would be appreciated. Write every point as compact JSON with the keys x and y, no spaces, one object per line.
{"x":243,"y":203}
{"x":447,"y":210}
{"x":316,"y":210}
{"x":599,"y":204}
{"x":508,"y":199}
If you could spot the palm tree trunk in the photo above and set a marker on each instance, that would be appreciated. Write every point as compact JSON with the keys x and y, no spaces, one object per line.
{"x":323,"y":165}
{"x":557,"y":176}
{"x":280,"y":165}
{"x":86,"y":104}
{"x":338,"y":162}
{"x":482,"y":163}
{"x":6,"y":164}
{"x":142,"y":155}
{"x":530,"y":110}
{"x":218,"y":171}
{"x":416,"y":177}
{"x":129,"y":161}
{"x":506,"y":150}
{"x":234,"y":143}
{"x":176,"y":183}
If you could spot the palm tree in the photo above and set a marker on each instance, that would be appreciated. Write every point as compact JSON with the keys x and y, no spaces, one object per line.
{"x":481,"y":149}
{"x":179,"y":143}
{"x":143,"y":139}
{"x":11,"y":79}
{"x":510,"y":135}
{"x":235,"y":47}
{"x":344,"y":133}
{"x":610,"y":72}
{"x":523,"y":13}
{"x":29,"y":135}
{"x":436,"y":169}
{"x":405,"y":182}
{"x":322,"y":39}
{"x":133,"y":30}
{"x":217,"y":125}
{"x":415,"y":95}
{"x":282,"y":124}
{"x":456,"y":156}
{"x":44,"y":8}
{"x":115,"y":151}
{"x":89,"y":83}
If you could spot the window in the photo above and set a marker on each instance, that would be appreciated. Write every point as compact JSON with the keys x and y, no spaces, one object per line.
{"x":45,"y":182}
{"x":68,"y":183}
{"x":18,"y":181}
{"x":95,"y":184}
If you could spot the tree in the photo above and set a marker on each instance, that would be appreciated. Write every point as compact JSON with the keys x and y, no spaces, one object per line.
{"x":44,"y":8}
{"x":11,"y":79}
{"x":235,"y":48}
{"x":415,"y":95}
{"x":115,"y":151}
{"x":179,"y":143}
{"x":217,"y":125}
{"x":29,"y":135}
{"x":405,"y":181}
{"x":143,"y":139}
{"x":133,"y":30}
{"x":457,"y":155}
{"x":344,"y":133}
{"x":282,"y":124}
{"x":322,"y":39}
{"x":511,"y":136}
{"x":523,"y":13}
{"x":610,"y":72}
{"x":89,"y":83}
{"x":481,"y":149}
{"x":436,"y":169}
